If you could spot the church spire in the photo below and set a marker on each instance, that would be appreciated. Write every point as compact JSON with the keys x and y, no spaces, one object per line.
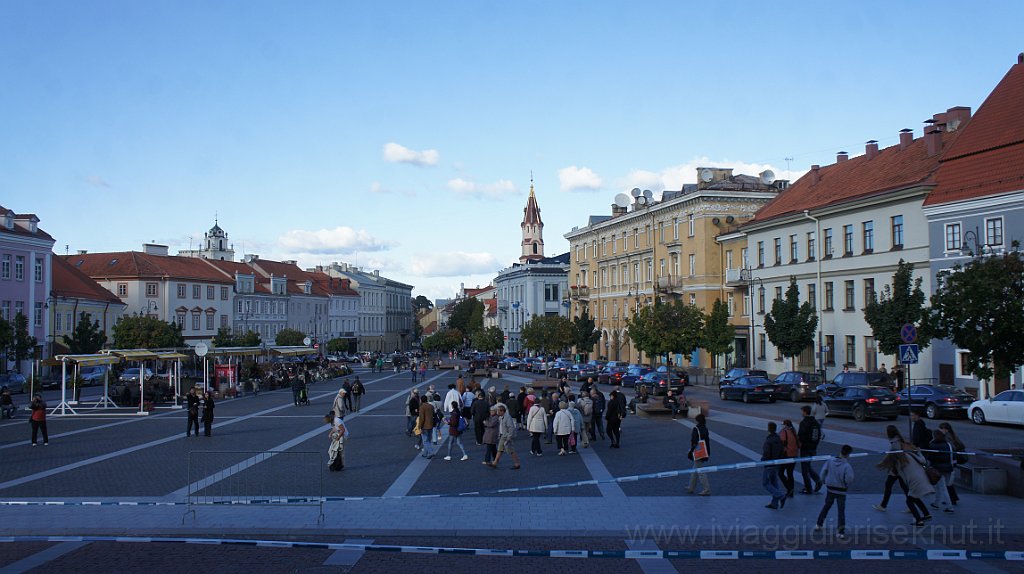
{"x":533,"y":229}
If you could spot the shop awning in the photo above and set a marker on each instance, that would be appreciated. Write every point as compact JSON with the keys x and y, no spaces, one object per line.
{"x":236,"y":351}
{"x":292,"y":351}
{"x":86,"y":360}
{"x":133,"y":354}
{"x":171,"y":356}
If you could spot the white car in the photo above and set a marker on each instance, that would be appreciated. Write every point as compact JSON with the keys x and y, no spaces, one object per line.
{"x":1006,"y":407}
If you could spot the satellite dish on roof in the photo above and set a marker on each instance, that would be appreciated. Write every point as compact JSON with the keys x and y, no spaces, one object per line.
{"x":767,"y":177}
{"x":622,"y":200}
{"x":706,"y":175}
{"x":648,"y":194}
{"x":635,"y":192}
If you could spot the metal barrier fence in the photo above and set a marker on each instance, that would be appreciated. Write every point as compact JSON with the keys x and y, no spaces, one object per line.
{"x":255,"y":477}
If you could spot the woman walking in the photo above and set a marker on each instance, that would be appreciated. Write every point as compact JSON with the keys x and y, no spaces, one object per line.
{"x":614,"y":414}
{"x":959,"y":456}
{"x":208,"y":406}
{"x":336,"y":451}
{"x":791,"y":447}
{"x":909,"y":464}
{"x":700,"y":456}
{"x":941,"y":459}
{"x":38,"y":419}
{"x":563,"y":428}
{"x":456,"y":424}
{"x":490,"y":436}
{"x":892,"y":477}
{"x":536,"y":424}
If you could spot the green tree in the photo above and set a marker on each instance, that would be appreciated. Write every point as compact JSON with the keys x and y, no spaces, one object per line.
{"x":489,"y":340}
{"x":790,"y":324}
{"x":6,"y":337}
{"x":224,"y":338}
{"x":249,"y":339}
{"x":289,"y":338}
{"x":338,"y":345}
{"x":900,"y":303}
{"x":978,"y":307}
{"x":145,"y":332}
{"x":86,"y":338}
{"x":422,"y":304}
{"x":663,"y":329}
{"x":547,"y":333}
{"x":584,"y":333}
{"x":445,"y":340}
{"x":22,"y":343}
{"x":467,"y":316}
{"x":719,"y":334}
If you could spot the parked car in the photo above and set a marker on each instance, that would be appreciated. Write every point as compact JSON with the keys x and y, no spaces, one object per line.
{"x":796,"y":385}
{"x":853,"y":379}
{"x":1006,"y":407}
{"x":733,"y":374}
{"x":610,"y":375}
{"x":587,"y":370}
{"x":748,"y":388}
{"x":936,"y":400}
{"x":559,"y":368}
{"x":93,"y":375}
{"x":660,"y":381}
{"x":526,"y":364}
{"x":14,"y":382}
{"x":132,"y":375}
{"x":509,"y":363}
{"x":633,"y":374}
{"x":863,"y":401}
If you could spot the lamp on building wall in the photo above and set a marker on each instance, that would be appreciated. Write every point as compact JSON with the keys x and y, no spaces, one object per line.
{"x":149,"y":306}
{"x":972,"y":243}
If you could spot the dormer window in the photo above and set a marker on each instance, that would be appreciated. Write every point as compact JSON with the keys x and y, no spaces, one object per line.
{"x":8,"y":221}
{"x":308,"y":287}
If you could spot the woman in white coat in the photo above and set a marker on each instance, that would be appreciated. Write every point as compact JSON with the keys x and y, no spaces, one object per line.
{"x":563,"y":426}
{"x":536,"y":424}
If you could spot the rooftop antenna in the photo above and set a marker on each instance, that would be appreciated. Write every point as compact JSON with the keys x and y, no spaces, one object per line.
{"x":788,"y":174}
{"x":66,"y":248}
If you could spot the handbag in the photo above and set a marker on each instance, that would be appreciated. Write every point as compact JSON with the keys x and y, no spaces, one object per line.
{"x":700,"y":452}
{"x":934,"y":476}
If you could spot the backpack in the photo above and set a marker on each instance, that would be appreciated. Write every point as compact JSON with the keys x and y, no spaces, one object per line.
{"x":588,"y":407}
{"x":462,"y":423}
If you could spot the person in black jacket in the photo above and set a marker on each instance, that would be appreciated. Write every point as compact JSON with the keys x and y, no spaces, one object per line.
{"x":671,"y":402}
{"x":772,"y":450}
{"x":920,"y":435}
{"x":700,"y":433}
{"x":208,"y":413}
{"x":599,"y":406}
{"x":481,"y":411}
{"x":941,"y":459}
{"x":192,"y":407}
{"x":613,"y":415}
{"x":809,"y":435}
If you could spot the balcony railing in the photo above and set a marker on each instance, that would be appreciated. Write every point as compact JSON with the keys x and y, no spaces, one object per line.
{"x":669,"y":282}
{"x":735,"y":277}
{"x":579,"y":292}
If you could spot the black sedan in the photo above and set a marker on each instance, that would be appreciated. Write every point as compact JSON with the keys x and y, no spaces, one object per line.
{"x":632,"y":375}
{"x":748,"y":389}
{"x":610,"y":375}
{"x":862,"y":402}
{"x":738,"y":372}
{"x":936,"y":400}
{"x":796,"y":385}
{"x":659,"y":382}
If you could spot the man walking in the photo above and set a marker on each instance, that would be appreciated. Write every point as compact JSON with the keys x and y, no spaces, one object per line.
{"x":837,"y":474}
{"x":772,"y":450}
{"x":809,"y":435}
{"x":599,"y":405}
{"x":192,"y":406}
{"x":358,"y":390}
{"x":412,"y":411}
{"x":426,"y":424}
{"x":506,"y":435}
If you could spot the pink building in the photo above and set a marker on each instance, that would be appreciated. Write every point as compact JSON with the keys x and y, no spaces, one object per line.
{"x":25,"y":281}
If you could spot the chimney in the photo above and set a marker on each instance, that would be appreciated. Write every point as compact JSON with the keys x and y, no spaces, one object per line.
{"x":250,"y":258}
{"x":345,"y":283}
{"x":82,"y":252}
{"x":154,"y":249}
{"x":957,"y":117}
{"x":906,"y":138}
{"x":617,"y":211}
{"x":290,"y":262}
{"x":871,"y":149}
{"x":842,"y":156}
{"x":933,"y":135}
{"x":815,"y":174}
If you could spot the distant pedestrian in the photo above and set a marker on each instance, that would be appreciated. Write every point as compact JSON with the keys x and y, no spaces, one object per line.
{"x":772,"y":450}
{"x":412,"y":410}
{"x":425,"y":424}
{"x":296,"y":385}
{"x":819,"y":410}
{"x":456,"y":426}
{"x":838,"y":475}
{"x":192,"y":410}
{"x":208,"y":406}
{"x":700,"y":435}
{"x":577,"y":435}
{"x":599,"y":407}
{"x":506,"y":438}
{"x":347,"y":397}
{"x":490,"y":435}
{"x":791,"y":449}
{"x":468,"y":398}
{"x":38,"y":419}
{"x":616,"y":411}
{"x":959,"y":456}
{"x":339,"y":406}
{"x":562,"y":425}
{"x":412,"y":370}
{"x":338,"y":435}
{"x":358,"y":390}
{"x":552,"y":409}
{"x":920,"y":434}
{"x":536,"y":424}
{"x":809,"y":436}
{"x":453,"y":396}
{"x":481,"y":411}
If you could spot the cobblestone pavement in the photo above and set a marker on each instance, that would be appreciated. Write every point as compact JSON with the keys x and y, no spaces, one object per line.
{"x":108,"y":459}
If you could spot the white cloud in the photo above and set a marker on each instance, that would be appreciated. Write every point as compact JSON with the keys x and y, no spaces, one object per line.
{"x":454,"y":264}
{"x":97,"y":181}
{"x":340,"y":240}
{"x":574,"y":178}
{"x":397,"y":153}
{"x":673,"y":177}
{"x":497,"y":190}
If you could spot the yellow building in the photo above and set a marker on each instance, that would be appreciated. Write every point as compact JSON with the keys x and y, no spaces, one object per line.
{"x":663,"y":248}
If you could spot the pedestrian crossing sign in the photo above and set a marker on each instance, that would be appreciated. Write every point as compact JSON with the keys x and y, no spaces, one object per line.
{"x":908,"y":354}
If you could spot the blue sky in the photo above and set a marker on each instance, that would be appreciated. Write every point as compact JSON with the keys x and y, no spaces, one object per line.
{"x":401,"y":136}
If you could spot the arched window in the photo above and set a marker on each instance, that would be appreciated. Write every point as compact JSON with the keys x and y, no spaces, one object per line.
{"x":534,"y":248}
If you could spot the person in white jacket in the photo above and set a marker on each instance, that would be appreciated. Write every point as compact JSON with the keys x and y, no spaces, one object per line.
{"x":453,"y":396}
{"x":536,"y":424}
{"x":563,"y":425}
{"x":837,"y":474}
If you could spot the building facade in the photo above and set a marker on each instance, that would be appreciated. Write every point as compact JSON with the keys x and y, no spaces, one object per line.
{"x":25,"y":281}
{"x":665,"y":249}
{"x":533,"y":288}
{"x":73,"y":296}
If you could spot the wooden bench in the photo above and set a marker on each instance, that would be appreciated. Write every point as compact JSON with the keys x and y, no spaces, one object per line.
{"x":655,"y":407}
{"x":981,"y":479}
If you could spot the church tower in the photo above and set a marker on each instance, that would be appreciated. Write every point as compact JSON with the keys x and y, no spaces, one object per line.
{"x":215,"y":246}
{"x":533,"y":230}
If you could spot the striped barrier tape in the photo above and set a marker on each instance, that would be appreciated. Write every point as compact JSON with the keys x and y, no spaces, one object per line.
{"x":930,"y":555}
{"x":591,"y":482}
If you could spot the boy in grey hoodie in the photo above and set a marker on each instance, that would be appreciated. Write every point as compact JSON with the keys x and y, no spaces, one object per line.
{"x":837,"y":474}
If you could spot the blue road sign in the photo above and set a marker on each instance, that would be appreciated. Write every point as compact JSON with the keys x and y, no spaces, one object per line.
{"x":908,"y":354}
{"x":908,"y":333}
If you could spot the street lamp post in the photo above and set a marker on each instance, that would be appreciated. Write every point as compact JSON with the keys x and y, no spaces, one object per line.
{"x":819,"y":250}
{"x":751,"y":280}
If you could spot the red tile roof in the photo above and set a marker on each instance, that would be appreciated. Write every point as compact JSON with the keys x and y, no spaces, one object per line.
{"x":70,"y":283}
{"x":988,"y":158}
{"x":137,"y":265}
{"x":295,"y":275}
{"x":859,"y":177}
{"x":229,"y":268}
{"x":492,"y":307}
{"x":18,"y":230}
